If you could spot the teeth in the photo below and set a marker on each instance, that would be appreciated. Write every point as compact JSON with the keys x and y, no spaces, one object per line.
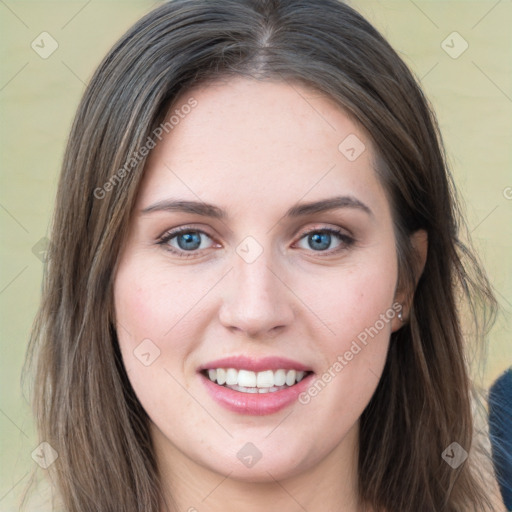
{"x":231,"y":377}
{"x":257,"y":390}
{"x":255,"y":382}
{"x":290,"y":377}
{"x":280,"y":377}
{"x":221,"y":376}
{"x":264,"y":379}
{"x":245,"y":379}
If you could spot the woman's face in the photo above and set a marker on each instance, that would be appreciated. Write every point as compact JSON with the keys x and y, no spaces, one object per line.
{"x":261,"y":249}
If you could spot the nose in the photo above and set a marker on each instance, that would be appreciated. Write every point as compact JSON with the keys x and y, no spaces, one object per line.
{"x":257,"y":301}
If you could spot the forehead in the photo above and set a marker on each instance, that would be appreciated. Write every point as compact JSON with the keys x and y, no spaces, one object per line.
{"x":261,"y":144}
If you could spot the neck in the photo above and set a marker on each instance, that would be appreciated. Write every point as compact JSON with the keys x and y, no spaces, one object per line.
{"x":327,"y":485}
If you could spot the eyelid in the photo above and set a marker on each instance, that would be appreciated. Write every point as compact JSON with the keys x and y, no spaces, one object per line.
{"x":169,"y":233}
{"x":326,"y":227}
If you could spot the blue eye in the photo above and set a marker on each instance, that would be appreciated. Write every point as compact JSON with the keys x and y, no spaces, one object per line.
{"x":184,"y":240}
{"x":188,"y":241}
{"x":320,"y":240}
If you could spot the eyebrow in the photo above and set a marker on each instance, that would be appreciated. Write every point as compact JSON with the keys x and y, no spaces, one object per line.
{"x":299,"y":210}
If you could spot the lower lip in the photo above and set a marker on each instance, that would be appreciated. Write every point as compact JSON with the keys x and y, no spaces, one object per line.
{"x":255,"y":404}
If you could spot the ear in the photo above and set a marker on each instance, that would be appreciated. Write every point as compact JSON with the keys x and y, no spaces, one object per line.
{"x":419,"y":242}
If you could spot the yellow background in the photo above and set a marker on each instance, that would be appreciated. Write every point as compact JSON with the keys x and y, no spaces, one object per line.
{"x":472,"y":95}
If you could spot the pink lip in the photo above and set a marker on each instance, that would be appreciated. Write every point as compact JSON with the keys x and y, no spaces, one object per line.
{"x":255,"y":365}
{"x":255,"y":404}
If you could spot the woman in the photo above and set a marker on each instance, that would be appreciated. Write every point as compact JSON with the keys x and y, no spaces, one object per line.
{"x":253,"y":297}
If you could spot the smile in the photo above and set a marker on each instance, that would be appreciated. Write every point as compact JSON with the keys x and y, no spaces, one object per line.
{"x":247,"y":381}
{"x":255,"y":386}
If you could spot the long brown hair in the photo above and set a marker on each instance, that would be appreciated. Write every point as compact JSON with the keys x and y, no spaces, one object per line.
{"x":84,"y":404}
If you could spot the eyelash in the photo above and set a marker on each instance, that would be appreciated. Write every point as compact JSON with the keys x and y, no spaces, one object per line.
{"x":346,"y":241}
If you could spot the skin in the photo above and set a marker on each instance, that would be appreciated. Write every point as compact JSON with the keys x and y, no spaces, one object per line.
{"x":255,"y":149}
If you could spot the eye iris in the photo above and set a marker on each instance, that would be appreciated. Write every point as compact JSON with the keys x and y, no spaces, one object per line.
{"x":189,"y":241}
{"x":320,"y":240}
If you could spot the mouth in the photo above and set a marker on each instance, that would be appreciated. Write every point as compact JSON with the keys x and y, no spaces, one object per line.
{"x":255,"y":386}
{"x":248,"y":381}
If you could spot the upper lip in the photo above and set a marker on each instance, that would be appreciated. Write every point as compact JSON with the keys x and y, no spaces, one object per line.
{"x":255,"y":365}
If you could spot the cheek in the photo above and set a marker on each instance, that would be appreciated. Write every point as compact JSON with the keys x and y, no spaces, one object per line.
{"x":153,"y":309}
{"x":151,"y":302}
{"x":148,"y":308}
{"x":353,"y":299}
{"x":357,"y":308}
